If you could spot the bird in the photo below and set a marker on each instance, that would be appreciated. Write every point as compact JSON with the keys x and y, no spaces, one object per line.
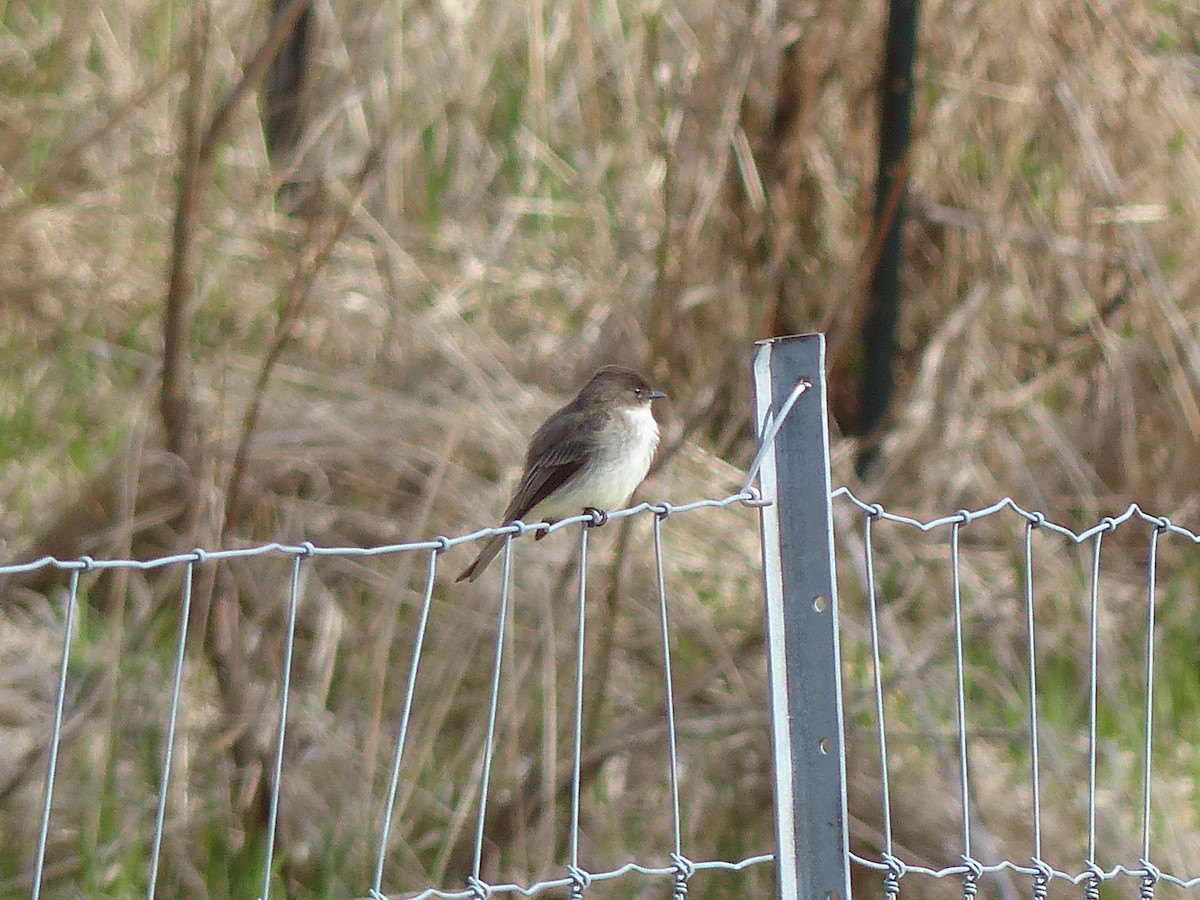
{"x":589,"y":455}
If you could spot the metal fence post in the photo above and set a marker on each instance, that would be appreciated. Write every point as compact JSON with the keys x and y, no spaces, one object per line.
{"x":802,"y":634}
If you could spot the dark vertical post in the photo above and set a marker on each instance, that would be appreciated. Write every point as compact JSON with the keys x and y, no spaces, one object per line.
{"x":885,"y":254}
{"x":802,"y":632}
{"x":287,"y":88}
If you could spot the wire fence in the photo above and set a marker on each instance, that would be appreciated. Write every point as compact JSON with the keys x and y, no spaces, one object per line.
{"x":675,"y":865}
{"x":970,"y":867}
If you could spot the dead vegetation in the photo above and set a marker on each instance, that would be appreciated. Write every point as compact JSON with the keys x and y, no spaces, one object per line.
{"x":495,"y":199}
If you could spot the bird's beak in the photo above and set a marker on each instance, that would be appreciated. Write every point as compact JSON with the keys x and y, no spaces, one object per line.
{"x":657,"y":395}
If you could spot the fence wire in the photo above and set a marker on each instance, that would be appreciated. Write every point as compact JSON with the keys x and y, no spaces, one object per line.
{"x":970,"y":868}
{"x":576,"y":879}
{"x":676,"y":867}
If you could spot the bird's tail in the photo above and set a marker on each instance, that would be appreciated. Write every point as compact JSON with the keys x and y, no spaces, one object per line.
{"x":486,"y":555}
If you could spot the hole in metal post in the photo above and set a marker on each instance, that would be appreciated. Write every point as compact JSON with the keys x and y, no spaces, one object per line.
{"x":831,"y":895}
{"x":825,"y":745}
{"x":819,"y":603}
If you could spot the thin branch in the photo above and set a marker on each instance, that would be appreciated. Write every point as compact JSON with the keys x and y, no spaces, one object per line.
{"x":318,"y":245}
{"x":198,"y":157}
{"x":174,"y":402}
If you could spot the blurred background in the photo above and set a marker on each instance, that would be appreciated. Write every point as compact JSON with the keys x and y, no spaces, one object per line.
{"x":315,"y":269}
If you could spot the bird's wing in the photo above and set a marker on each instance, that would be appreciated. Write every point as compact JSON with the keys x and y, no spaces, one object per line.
{"x":557,"y":452}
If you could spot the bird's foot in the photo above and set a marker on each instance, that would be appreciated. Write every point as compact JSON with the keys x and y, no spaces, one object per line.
{"x":599,"y":516}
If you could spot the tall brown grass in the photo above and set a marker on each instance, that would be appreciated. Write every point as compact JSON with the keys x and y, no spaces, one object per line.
{"x":500,"y":197}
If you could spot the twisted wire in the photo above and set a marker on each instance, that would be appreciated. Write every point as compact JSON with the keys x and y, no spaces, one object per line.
{"x":892,"y":875}
{"x":971,"y":877}
{"x":1149,"y":880}
{"x":1041,"y":879}
{"x":580,"y":881}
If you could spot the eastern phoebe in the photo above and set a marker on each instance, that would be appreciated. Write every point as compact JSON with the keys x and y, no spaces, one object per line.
{"x":591,"y":454}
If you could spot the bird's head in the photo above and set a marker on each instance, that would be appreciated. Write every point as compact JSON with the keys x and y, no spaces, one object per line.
{"x":619,"y":386}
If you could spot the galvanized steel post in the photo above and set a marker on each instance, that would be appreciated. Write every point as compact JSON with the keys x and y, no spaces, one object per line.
{"x":802,"y":625}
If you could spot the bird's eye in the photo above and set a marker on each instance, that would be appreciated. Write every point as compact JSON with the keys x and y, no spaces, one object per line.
{"x":639,"y":393}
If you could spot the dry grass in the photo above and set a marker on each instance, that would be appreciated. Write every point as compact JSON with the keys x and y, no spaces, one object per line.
{"x":561,"y":185}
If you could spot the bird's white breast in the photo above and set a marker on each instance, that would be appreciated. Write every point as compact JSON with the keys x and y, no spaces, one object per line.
{"x":608,"y":483}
